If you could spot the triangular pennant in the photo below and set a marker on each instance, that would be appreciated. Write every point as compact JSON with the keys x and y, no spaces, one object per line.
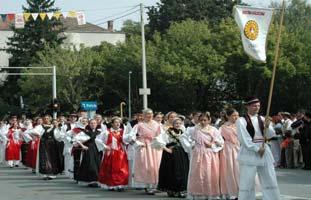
{"x":72,"y":14}
{"x":19,"y":20}
{"x":57,"y":15}
{"x":50,"y":15}
{"x":27,"y":16}
{"x":10,"y":17}
{"x":34,"y":16}
{"x":42,"y":16}
{"x":3,"y":17}
{"x":81,"y":18}
{"x":65,"y":14}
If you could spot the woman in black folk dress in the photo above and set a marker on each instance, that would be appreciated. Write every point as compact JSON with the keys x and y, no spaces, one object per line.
{"x":173,"y":174}
{"x":90,"y":162}
{"x":50,"y":151}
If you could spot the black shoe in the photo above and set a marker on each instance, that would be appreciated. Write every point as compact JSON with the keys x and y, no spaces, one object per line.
{"x":111,"y":189}
{"x":16,"y":165}
{"x":93,"y":185}
{"x":170,"y":194}
{"x":120,"y":189}
{"x":149,"y":191}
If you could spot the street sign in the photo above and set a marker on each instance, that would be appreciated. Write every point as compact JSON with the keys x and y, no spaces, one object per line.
{"x":88,"y":105}
{"x":143,"y":91}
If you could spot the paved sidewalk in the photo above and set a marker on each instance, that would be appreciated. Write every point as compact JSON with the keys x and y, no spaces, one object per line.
{"x":19,"y":183}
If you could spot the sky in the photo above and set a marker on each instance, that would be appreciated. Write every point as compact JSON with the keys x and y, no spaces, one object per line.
{"x":100,"y":11}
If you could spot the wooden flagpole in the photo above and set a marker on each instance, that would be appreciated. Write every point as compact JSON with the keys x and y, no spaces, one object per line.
{"x":276,"y":57}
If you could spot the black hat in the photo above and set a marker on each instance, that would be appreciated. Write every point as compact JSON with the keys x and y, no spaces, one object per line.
{"x":308,"y":114}
{"x":251,"y":100}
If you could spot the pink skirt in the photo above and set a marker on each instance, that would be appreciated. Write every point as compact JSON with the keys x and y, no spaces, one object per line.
{"x":229,"y":170}
{"x":147,"y":163}
{"x":204,"y":173}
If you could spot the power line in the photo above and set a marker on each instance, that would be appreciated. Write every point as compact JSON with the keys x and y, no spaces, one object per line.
{"x":118,"y":17}
{"x":101,"y":23}
{"x":120,"y":13}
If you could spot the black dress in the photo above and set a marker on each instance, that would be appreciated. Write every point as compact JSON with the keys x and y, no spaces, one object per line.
{"x":174,"y":167}
{"x":89,"y":166}
{"x":50,"y":153}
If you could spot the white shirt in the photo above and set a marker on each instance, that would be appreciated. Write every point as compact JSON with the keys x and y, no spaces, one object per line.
{"x":248,"y":153}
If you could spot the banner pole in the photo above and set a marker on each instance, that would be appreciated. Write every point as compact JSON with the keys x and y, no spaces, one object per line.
{"x":276,"y":57}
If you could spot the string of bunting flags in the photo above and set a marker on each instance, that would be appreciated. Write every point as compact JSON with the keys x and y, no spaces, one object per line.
{"x":19,"y":19}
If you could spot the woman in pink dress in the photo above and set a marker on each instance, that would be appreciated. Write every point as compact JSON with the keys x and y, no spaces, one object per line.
{"x":147,"y":159}
{"x":229,"y":167}
{"x":203,"y":181}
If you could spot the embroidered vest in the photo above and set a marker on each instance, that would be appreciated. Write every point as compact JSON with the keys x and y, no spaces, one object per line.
{"x":250,"y":127}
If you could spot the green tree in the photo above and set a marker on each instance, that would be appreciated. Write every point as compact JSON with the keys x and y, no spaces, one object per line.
{"x":77,"y":79}
{"x":36,"y":34}
{"x":131,"y":28}
{"x":26,"y":42}
{"x":186,"y":69}
{"x":167,"y":12}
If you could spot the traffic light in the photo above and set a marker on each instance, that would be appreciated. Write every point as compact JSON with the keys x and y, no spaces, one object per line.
{"x":55,"y":105}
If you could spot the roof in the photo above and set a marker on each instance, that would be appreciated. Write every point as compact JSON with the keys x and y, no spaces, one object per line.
{"x":70,"y":25}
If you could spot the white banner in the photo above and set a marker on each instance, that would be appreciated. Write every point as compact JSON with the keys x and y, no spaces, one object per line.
{"x":81,"y":18}
{"x":19,"y":20}
{"x":254,"y":25}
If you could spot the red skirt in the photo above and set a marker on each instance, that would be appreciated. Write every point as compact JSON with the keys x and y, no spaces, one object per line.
{"x":13,"y":150}
{"x":31,"y":156}
{"x":114,"y":169}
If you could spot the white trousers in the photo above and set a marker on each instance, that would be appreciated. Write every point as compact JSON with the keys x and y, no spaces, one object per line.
{"x":68,"y":159}
{"x":267,"y":178}
{"x":2,"y":152}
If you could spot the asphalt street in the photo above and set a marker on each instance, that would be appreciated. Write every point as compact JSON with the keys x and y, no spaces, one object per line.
{"x":20,"y":183}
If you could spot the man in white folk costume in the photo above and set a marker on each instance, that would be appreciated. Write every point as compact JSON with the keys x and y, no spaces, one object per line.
{"x":254,"y":157}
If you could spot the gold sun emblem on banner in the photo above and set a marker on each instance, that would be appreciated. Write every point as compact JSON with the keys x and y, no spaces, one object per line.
{"x":251,"y":30}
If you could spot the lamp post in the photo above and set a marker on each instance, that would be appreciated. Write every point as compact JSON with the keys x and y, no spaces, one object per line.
{"x":129,"y":97}
{"x":54,"y":90}
{"x":121,"y":109}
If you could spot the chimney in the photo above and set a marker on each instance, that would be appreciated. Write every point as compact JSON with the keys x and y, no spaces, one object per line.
{"x":110,"y":26}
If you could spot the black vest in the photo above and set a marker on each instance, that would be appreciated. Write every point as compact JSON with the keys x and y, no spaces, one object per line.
{"x":250,"y":127}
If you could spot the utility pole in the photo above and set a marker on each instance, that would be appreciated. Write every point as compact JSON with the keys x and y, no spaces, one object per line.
{"x":54,"y":89}
{"x":129,"y":98}
{"x":143,"y":91}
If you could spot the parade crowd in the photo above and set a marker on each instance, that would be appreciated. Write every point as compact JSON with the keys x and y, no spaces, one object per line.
{"x":199,"y":156}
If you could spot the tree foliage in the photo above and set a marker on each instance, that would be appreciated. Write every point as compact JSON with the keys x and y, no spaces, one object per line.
{"x":36,"y":34}
{"x":167,"y":12}
{"x":25,"y":43}
{"x":193,"y":65}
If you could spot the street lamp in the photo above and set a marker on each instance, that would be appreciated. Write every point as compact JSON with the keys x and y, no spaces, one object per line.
{"x":121,"y":109}
{"x":129,"y":98}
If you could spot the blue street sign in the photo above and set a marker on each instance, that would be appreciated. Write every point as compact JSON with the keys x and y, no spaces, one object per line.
{"x":88,"y":105}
